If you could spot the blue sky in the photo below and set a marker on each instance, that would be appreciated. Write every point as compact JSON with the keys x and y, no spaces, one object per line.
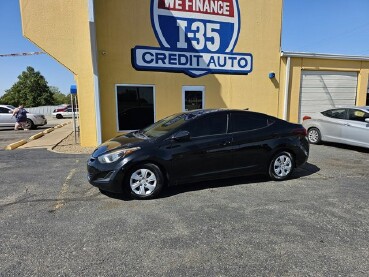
{"x":319,"y":26}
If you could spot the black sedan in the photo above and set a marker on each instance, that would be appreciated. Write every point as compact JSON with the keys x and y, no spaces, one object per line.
{"x":195,"y":146}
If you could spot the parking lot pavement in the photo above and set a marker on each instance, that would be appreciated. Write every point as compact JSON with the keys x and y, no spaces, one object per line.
{"x":316,"y":224}
{"x":8,"y":135}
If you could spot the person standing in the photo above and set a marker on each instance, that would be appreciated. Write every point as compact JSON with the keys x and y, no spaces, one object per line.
{"x":21,"y":118}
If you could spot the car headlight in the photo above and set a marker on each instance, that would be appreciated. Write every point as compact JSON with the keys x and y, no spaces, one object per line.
{"x":116,"y":155}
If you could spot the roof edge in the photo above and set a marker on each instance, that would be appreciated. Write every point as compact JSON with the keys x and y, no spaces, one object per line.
{"x":323,"y":56}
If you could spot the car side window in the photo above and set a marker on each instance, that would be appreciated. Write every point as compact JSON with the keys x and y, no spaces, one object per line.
{"x":212,"y":124}
{"x":336,"y":113}
{"x":240,"y":122}
{"x":4,"y":110}
{"x":357,"y":115}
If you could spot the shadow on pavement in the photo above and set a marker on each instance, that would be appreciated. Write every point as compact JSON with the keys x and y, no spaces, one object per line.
{"x":304,"y":171}
{"x":347,"y":147}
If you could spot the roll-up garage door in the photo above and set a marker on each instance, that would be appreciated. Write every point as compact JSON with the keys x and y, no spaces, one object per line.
{"x":322,"y":90}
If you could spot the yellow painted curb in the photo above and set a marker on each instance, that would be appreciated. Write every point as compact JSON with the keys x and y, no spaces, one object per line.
{"x":38,"y":135}
{"x":58,"y":126}
{"x":64,"y":124}
{"x":48,"y":130}
{"x":15,"y":144}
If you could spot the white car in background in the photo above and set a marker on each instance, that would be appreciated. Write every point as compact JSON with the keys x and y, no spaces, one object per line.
{"x":8,"y":120}
{"x":67,"y":113}
{"x":347,"y":125}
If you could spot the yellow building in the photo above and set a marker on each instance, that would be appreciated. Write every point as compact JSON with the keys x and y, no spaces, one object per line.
{"x":136,"y":62}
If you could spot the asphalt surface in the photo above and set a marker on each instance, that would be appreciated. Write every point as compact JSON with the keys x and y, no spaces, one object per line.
{"x":53,"y":223}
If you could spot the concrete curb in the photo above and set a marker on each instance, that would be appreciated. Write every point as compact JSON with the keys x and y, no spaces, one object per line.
{"x":14,"y":145}
{"x":38,"y":135}
{"x":48,"y":130}
{"x":17,"y":144}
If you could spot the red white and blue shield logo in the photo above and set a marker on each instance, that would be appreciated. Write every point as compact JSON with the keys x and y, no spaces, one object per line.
{"x":197,"y":37}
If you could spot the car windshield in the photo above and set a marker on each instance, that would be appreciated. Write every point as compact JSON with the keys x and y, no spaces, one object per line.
{"x":168,"y":124}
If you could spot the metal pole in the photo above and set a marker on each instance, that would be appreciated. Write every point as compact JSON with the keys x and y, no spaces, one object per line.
{"x":74,"y":119}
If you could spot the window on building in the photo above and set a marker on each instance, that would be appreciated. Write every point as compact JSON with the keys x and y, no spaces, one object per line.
{"x":193,"y":98}
{"x":135,"y":106}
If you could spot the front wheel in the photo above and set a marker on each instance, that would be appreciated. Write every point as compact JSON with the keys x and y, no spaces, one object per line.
{"x":29,"y":124}
{"x":59,"y":116}
{"x":145,"y":181}
{"x":281,"y":166}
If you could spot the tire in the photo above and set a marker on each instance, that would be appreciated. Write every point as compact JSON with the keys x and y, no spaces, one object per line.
{"x":59,"y":116}
{"x":144,"y":181}
{"x":29,"y":124}
{"x":281,"y":166}
{"x":314,"y":136}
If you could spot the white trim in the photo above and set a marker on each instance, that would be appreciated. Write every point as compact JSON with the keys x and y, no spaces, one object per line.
{"x":94,"y":54}
{"x":323,"y":56}
{"x":116,"y":102}
{"x":287,"y":89}
{"x":192,"y":88}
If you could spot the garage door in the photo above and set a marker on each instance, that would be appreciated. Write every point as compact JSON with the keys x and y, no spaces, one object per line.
{"x":322,"y":90}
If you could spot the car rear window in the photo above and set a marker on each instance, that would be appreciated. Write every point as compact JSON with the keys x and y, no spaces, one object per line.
{"x":336,"y":113}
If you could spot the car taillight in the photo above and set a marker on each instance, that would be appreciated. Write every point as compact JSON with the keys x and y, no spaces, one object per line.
{"x":300,"y":132}
{"x":306,"y":118}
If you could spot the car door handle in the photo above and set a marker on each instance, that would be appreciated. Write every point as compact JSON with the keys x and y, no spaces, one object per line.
{"x":346,"y":124}
{"x":225,"y":143}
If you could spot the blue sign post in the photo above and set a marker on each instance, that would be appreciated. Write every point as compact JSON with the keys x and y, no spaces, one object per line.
{"x":73,"y":92}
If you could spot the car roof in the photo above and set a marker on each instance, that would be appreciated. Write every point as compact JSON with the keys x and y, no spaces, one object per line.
{"x":366,"y":108}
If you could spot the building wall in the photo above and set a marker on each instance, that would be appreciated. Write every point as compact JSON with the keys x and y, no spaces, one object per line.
{"x":122,"y":25}
{"x":299,"y":64}
{"x":61,"y":28}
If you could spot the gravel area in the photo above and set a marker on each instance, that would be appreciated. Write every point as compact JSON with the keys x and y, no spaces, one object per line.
{"x":69,"y":146}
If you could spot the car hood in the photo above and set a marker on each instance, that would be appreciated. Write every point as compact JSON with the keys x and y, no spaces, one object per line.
{"x":124,"y":141}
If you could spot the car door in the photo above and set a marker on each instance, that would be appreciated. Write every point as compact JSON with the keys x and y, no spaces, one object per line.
{"x":356,"y":129}
{"x":207,"y":153}
{"x":250,"y":132}
{"x":332,"y":123}
{"x":6,"y":117}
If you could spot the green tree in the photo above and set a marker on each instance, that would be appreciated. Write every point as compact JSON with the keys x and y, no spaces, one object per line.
{"x":59,"y":98}
{"x":31,"y":90}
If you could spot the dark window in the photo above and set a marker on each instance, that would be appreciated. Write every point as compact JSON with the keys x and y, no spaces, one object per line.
{"x":213,"y":124}
{"x":193,"y":100}
{"x":248,"y":121}
{"x":4,"y":110}
{"x":336,"y":113}
{"x":135,"y":107}
{"x":357,"y":115}
{"x":367,"y":98}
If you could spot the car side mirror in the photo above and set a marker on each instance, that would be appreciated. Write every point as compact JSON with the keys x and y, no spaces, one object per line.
{"x":10,"y":111}
{"x":181,"y":136}
{"x":367,"y":120}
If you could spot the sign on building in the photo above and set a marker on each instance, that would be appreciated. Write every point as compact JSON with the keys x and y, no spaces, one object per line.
{"x":196,"y":37}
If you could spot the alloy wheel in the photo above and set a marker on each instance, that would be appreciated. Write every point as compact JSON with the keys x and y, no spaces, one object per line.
{"x":143,"y":182}
{"x":313,"y":136}
{"x":282,"y":166}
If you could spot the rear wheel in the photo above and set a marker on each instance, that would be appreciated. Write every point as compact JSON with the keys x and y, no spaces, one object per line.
{"x":281,"y":166}
{"x":314,"y":136}
{"x":59,"y":116}
{"x":145,"y":181}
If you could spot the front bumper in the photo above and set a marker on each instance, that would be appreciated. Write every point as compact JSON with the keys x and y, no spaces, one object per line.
{"x":40,"y":121}
{"x":106,"y":177}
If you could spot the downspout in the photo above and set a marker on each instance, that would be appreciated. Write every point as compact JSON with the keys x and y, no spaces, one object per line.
{"x":91,"y":21}
{"x":287,"y":89}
